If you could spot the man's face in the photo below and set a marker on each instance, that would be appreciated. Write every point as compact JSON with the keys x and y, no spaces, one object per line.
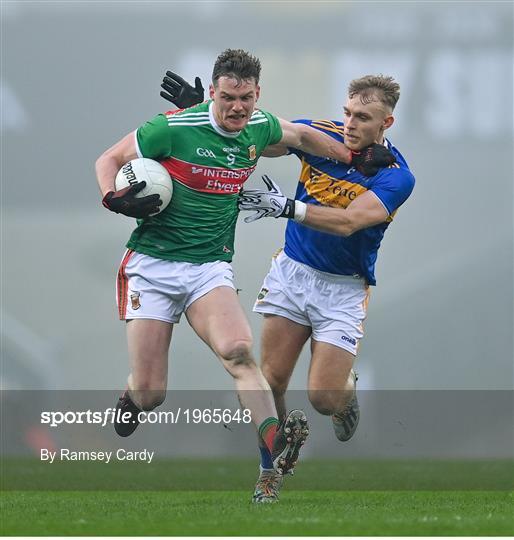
{"x":234,"y":102}
{"x":364,"y":123}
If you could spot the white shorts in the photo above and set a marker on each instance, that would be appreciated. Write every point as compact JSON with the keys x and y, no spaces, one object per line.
{"x":150,"y":288}
{"x":333,"y":306}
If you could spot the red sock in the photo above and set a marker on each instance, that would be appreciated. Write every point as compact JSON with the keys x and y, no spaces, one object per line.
{"x":268,"y":430}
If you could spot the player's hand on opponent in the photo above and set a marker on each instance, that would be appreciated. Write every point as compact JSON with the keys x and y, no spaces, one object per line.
{"x":124,"y":201}
{"x":180,"y":92}
{"x":371,"y":159}
{"x":269,"y":202}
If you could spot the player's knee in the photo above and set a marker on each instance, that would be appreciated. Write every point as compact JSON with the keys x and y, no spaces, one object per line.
{"x":237,"y":352}
{"x":326,"y":403}
{"x":277,"y":384}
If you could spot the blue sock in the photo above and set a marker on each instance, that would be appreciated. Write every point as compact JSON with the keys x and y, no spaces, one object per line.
{"x":266,"y":460}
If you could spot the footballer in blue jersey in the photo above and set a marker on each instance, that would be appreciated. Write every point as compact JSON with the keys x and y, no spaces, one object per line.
{"x":318,"y":287}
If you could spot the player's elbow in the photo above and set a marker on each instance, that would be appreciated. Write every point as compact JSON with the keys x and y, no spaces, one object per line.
{"x":102,"y":160}
{"x":346,"y":228}
{"x":353,"y":220}
{"x":109,"y":161}
{"x":302,"y":136}
{"x":346,"y":232}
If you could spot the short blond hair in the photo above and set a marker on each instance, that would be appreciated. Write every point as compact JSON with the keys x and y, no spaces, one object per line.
{"x":385,"y":88}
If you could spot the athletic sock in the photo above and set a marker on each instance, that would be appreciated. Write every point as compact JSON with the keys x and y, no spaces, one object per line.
{"x":266,"y":459}
{"x":267,"y":431}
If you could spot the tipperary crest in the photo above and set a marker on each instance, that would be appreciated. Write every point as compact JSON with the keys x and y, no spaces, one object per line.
{"x":262,"y":293}
{"x":252,"y":152}
{"x":134,"y":300}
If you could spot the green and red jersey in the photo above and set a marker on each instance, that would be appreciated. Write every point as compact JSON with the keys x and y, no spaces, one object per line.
{"x":208,"y":166}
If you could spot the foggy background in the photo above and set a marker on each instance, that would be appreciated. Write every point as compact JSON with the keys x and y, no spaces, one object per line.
{"x":78,"y":76}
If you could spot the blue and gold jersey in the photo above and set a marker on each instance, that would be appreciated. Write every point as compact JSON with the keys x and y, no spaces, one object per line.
{"x":331,"y":183}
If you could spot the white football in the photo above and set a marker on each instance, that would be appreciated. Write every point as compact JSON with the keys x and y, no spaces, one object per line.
{"x":157,"y":178}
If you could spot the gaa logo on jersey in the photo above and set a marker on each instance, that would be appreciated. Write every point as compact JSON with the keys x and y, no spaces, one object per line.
{"x":205,"y":152}
{"x":252,"y":152}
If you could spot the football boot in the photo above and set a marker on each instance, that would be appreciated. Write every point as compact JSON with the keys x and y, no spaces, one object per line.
{"x":267,"y":487}
{"x":345,"y":423}
{"x":124,"y":405}
{"x":290,"y":437}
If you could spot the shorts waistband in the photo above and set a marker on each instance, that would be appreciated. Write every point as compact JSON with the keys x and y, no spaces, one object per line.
{"x":334,"y":278}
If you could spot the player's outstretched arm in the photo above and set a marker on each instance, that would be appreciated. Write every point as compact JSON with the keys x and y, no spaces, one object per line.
{"x":367,"y":161}
{"x":312,"y":141}
{"x":275,"y":150}
{"x":365,"y":211}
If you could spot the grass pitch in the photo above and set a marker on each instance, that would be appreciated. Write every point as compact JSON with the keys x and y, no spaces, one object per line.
{"x":213,"y":498}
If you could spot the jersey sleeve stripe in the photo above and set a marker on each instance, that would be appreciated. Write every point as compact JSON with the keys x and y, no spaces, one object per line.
{"x":190,"y":123}
{"x":138,"y":150}
{"x":252,"y":122}
{"x":327,"y":124}
{"x":187,"y":119}
{"x":195,"y":116}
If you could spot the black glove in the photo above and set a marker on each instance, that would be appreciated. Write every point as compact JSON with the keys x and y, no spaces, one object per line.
{"x":124,"y":201}
{"x":371,"y":159}
{"x":180,"y":92}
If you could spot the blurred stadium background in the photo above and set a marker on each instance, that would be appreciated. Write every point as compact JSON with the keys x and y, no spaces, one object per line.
{"x":77,"y":76}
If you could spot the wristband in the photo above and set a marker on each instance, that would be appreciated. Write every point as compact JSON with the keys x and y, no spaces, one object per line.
{"x":300,"y":211}
{"x":289,"y":209}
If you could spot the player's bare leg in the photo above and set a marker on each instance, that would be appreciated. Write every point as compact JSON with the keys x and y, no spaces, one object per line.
{"x":220,"y":321}
{"x":148,"y":344}
{"x":282,"y":341}
{"x":332,"y":387}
